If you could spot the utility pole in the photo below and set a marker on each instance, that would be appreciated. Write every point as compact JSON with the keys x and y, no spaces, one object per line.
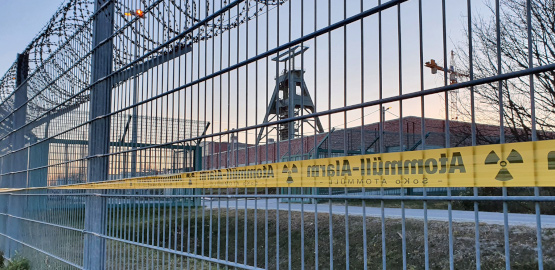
{"x":382,"y":128}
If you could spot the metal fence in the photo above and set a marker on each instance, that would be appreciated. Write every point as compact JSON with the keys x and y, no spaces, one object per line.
{"x":123,"y":89}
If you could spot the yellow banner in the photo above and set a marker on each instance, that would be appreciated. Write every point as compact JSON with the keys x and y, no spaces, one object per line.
{"x":526,"y":164}
{"x":3,"y":190}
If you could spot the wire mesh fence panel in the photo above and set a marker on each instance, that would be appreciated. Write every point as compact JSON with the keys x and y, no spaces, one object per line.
{"x":284,"y":134}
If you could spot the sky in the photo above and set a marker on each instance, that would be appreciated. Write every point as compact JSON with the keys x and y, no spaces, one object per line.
{"x":20,"y":22}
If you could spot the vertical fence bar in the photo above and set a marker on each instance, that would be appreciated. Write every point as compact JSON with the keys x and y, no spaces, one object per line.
{"x":533,"y":129}
{"x":95,"y":246}
{"x":129,"y":95}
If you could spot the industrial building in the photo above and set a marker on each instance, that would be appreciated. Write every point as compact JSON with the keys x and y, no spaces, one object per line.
{"x":353,"y":141}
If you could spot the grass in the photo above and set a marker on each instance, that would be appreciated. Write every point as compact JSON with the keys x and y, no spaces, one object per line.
{"x":163,"y":229}
{"x":18,"y":262}
{"x":157,"y":225}
{"x":126,"y":256}
{"x":522,"y":207}
{"x":397,"y":204}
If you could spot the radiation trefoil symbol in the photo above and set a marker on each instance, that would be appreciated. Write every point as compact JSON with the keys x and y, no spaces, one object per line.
{"x":503,"y":174}
{"x":290,"y":172}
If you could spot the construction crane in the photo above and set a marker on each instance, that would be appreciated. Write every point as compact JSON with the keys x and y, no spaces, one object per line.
{"x":454,"y":76}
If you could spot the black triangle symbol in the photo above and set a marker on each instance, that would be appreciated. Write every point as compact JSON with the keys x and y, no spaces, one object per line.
{"x":503,"y":175}
{"x":294,"y":169}
{"x":290,"y":180}
{"x":551,"y":160}
{"x":514,"y":157}
{"x":492,"y":158}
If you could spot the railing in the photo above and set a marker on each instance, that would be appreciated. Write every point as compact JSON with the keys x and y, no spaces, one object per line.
{"x":256,"y":134}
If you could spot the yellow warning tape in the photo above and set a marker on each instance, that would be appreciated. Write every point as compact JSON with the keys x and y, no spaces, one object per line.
{"x":525,"y":164}
{"x":2,"y":190}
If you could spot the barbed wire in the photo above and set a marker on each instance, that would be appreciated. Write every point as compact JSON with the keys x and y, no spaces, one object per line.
{"x":67,"y":37}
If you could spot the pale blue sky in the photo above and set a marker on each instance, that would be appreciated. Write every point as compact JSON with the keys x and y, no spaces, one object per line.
{"x":19,"y":23}
{"x":22,"y":20}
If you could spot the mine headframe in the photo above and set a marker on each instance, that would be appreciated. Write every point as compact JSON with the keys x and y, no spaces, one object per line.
{"x":290,"y":99}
